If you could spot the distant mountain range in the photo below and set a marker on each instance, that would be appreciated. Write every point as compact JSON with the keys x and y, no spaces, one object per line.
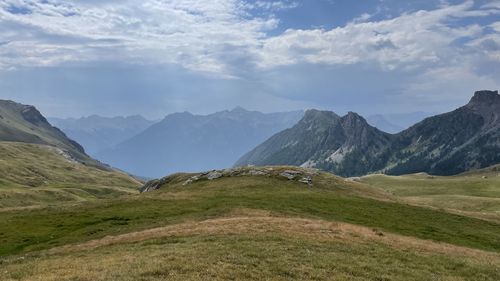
{"x":450,"y":143}
{"x":97,"y":133}
{"x":349,"y":145}
{"x":183,"y":142}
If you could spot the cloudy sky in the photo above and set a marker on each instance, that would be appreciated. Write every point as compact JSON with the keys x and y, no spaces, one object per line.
{"x":153,"y":57}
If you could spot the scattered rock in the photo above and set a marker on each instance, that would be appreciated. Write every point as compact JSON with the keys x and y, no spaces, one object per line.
{"x":357,"y":179}
{"x":154,"y":184}
{"x":307,"y":180}
{"x":287,"y":175}
{"x":304,"y":176}
{"x":214,"y":175}
{"x":256,"y":173}
{"x":293,"y":172}
{"x":191,"y":179}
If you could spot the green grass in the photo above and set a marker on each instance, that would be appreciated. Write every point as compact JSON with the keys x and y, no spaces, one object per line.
{"x":32,"y":230}
{"x":270,"y":256}
{"x":476,"y":194}
{"x":33,"y":174}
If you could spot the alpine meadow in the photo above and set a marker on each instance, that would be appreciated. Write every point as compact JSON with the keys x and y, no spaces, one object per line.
{"x":249,"y":140}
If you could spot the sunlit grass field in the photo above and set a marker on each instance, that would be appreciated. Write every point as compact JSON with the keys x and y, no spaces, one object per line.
{"x":248,"y":228}
{"x":474,"y":194}
{"x":34,"y":175}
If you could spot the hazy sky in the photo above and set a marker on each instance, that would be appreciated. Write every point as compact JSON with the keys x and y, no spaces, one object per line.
{"x":153,"y":57}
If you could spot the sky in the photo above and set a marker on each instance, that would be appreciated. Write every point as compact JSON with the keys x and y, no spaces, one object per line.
{"x":155,"y":57}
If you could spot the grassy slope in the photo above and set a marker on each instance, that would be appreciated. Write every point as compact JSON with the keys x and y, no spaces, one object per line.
{"x":21,"y":123}
{"x":247,"y":228}
{"x":331,"y":199}
{"x":474,"y":194}
{"x":257,"y":248}
{"x":33,"y":174}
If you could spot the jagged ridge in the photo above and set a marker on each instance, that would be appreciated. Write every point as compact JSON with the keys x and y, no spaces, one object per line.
{"x":450,"y":143}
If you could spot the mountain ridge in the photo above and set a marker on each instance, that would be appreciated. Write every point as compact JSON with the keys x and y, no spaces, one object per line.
{"x":449,"y":143}
{"x":184,"y":142}
{"x":24,"y":123}
{"x":97,"y":133}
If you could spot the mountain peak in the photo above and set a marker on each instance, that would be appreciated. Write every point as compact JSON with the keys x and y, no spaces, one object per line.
{"x":352,"y":119}
{"x":486,"y":104}
{"x":353,"y":115}
{"x":239,"y":109}
{"x":314,"y":118}
{"x":485,"y":97}
{"x":32,"y":115}
{"x":315,"y":114}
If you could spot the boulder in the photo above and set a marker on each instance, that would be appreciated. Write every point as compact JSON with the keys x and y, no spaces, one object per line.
{"x":214,"y":175}
{"x":287,"y":175}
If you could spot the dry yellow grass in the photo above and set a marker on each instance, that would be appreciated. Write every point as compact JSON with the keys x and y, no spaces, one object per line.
{"x":221,"y":248}
{"x":33,"y":175}
{"x":261,"y":222}
{"x":475,"y":194}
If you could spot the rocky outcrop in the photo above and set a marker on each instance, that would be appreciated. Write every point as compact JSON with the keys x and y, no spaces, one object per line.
{"x":301,"y":175}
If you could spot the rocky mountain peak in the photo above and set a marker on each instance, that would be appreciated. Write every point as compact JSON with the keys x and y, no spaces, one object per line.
{"x":318,"y":121}
{"x":32,"y":115}
{"x":485,"y":98}
{"x":353,"y":116}
{"x":486,"y":104}
{"x":314,"y":115}
{"x":353,"y":120}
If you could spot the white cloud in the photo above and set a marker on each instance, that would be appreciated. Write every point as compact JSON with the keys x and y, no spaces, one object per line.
{"x":273,"y":5}
{"x":362,"y":18}
{"x":410,"y":40}
{"x":209,"y":36}
{"x":495,"y":4}
{"x":188,"y":32}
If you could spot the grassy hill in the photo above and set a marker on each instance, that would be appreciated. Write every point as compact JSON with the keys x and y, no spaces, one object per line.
{"x":34,"y":175}
{"x":474,"y":193}
{"x":248,"y":224}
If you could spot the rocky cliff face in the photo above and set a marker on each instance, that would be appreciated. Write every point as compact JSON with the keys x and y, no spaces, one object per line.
{"x":450,"y":143}
{"x":486,"y":104}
